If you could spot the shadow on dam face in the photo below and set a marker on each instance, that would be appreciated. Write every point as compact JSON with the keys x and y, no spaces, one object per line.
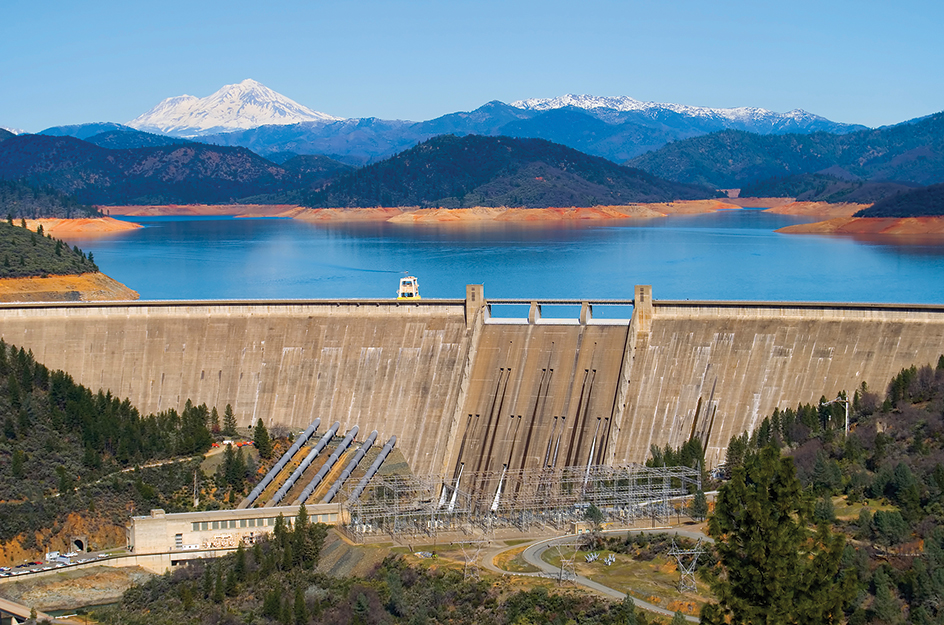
{"x":462,"y":389}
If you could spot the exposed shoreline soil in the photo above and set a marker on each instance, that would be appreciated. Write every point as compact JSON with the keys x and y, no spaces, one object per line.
{"x":196,"y":210}
{"x":431,"y":215}
{"x":836,"y":218}
{"x":87,"y":287}
{"x":479,"y":214}
{"x":80,"y":228}
{"x":874,"y":226}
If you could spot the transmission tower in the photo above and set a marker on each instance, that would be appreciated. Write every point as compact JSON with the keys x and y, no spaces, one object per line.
{"x":471,"y":553}
{"x":687,"y":560}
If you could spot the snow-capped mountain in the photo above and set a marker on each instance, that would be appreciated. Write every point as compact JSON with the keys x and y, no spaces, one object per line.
{"x":248,"y":104}
{"x":16,"y":131}
{"x":744,"y":117}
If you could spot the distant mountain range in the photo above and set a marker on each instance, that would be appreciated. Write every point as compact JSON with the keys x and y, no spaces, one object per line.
{"x":454,"y":172}
{"x":444,"y":171}
{"x":248,"y":142}
{"x":911,"y":152}
{"x":606,"y":127}
{"x":250,"y":115}
{"x":751,"y":119}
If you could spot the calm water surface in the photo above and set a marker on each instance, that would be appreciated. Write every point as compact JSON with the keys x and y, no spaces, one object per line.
{"x":723,"y":255}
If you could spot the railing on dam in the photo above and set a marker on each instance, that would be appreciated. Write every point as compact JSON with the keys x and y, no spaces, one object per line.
{"x":559,"y":311}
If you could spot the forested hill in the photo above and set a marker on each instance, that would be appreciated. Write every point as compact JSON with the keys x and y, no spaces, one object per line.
{"x":824,"y":188}
{"x":182,"y":174}
{"x":882,"y":485}
{"x":925,"y":202}
{"x":24,"y":253}
{"x":5,"y":134}
{"x":909,"y":152}
{"x":66,"y":454}
{"x":20,"y":199}
{"x":452,"y":172}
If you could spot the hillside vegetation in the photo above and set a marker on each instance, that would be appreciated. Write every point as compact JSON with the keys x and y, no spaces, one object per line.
{"x":58,"y":439}
{"x":824,"y":188}
{"x":68,"y":452}
{"x":926,"y":202}
{"x":909,"y":152}
{"x":454,"y":172}
{"x":277,"y":581}
{"x":20,"y":199}
{"x":24,"y":253}
{"x":882,"y":486}
{"x":166,"y":171}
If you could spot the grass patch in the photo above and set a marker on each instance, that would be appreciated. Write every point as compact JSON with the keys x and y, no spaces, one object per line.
{"x":655,"y":581}
{"x":513,"y":561}
{"x":850,"y":511}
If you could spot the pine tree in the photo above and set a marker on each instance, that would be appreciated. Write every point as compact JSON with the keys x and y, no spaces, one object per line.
{"x":771,"y":567}
{"x":886,"y":606}
{"x":261,"y":440}
{"x":301,"y":610}
{"x":698,"y":509}
{"x":229,"y":421}
{"x":214,"y":421}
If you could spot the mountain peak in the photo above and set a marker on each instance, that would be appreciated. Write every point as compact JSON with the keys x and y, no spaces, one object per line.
{"x":247,"y":104}
{"x":750,"y":118}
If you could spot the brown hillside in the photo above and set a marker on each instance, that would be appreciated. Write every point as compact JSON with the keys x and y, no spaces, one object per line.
{"x":88,"y":287}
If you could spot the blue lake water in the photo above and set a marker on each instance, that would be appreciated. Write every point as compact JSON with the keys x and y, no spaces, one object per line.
{"x":724,"y":255}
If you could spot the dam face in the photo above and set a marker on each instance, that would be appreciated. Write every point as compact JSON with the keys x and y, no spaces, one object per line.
{"x":463,"y":391}
{"x":393,"y":368}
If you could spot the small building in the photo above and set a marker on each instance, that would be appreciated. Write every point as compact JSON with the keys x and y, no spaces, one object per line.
{"x":160,"y":532}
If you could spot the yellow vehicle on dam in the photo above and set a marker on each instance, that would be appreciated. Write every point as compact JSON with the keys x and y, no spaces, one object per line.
{"x":409,"y":289}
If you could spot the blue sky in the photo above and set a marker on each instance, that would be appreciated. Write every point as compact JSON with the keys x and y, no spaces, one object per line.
{"x":860,"y":61}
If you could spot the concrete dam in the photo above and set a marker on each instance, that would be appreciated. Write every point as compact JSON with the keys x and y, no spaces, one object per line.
{"x":461,"y":388}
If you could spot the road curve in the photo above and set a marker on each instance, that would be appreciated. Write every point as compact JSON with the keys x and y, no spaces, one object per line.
{"x":532,"y":555}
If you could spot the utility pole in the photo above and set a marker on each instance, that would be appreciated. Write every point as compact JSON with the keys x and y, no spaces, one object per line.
{"x":844,"y":400}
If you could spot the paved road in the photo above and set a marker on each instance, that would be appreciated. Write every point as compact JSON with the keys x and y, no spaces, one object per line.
{"x":532,"y":555}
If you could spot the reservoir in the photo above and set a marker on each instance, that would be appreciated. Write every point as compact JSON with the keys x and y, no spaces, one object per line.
{"x":727,"y":255}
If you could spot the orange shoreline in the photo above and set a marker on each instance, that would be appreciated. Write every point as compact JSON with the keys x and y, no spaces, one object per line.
{"x":874,"y":226}
{"x":831,"y":218}
{"x":87,"y":287}
{"x":84,"y":227}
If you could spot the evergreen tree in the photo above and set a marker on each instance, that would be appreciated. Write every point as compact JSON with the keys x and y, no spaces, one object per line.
{"x":771,"y":567}
{"x":214,"y":421}
{"x":229,"y":421}
{"x":886,"y":607}
{"x":260,"y":438}
{"x":698,"y":508}
{"x":301,"y":610}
